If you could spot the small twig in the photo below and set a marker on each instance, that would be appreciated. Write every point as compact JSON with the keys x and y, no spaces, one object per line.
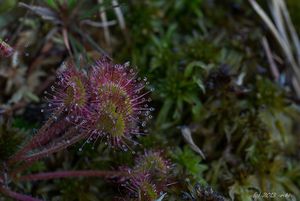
{"x":120,"y":18}
{"x":286,"y":49}
{"x":271,"y":61}
{"x":99,"y":24}
{"x":119,"y":14}
{"x":291,"y":28}
{"x":66,"y":41}
{"x":104,"y":21}
{"x":70,"y":174}
{"x":279,"y":32}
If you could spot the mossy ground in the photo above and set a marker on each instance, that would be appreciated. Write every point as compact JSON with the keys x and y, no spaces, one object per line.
{"x":206,"y":63}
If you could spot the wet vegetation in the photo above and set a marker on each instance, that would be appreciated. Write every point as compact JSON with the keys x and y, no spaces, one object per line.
{"x":149,"y":100}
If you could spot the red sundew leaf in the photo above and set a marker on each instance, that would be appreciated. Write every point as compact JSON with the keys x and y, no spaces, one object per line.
{"x":5,"y":49}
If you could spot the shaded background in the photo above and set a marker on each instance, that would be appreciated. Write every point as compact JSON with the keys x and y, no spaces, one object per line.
{"x":208,"y":63}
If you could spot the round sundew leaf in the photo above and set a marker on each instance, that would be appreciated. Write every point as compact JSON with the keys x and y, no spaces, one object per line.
{"x":153,"y":162}
{"x":119,"y":106}
{"x":118,"y":96}
{"x":111,"y":122}
{"x":148,"y":191}
{"x":69,"y":96}
{"x":75,"y":92}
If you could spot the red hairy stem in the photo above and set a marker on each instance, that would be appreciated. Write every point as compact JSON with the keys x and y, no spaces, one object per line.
{"x":17,"y":196}
{"x":66,"y":134}
{"x":53,"y":149}
{"x":27,"y":163}
{"x":70,"y":174}
{"x":34,"y":142}
{"x":42,"y":138}
{"x":55,"y":130}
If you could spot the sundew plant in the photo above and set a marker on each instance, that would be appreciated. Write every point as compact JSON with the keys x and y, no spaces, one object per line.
{"x":154,"y":100}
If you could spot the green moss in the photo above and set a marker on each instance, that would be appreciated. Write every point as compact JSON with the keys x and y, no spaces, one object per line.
{"x":10,"y":141}
{"x":210,"y":73}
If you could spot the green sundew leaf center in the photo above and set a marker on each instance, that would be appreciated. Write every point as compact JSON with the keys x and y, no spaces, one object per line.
{"x":153,"y":162}
{"x":148,"y":191}
{"x":118,"y":96}
{"x":76,"y":93}
{"x":111,"y":122}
